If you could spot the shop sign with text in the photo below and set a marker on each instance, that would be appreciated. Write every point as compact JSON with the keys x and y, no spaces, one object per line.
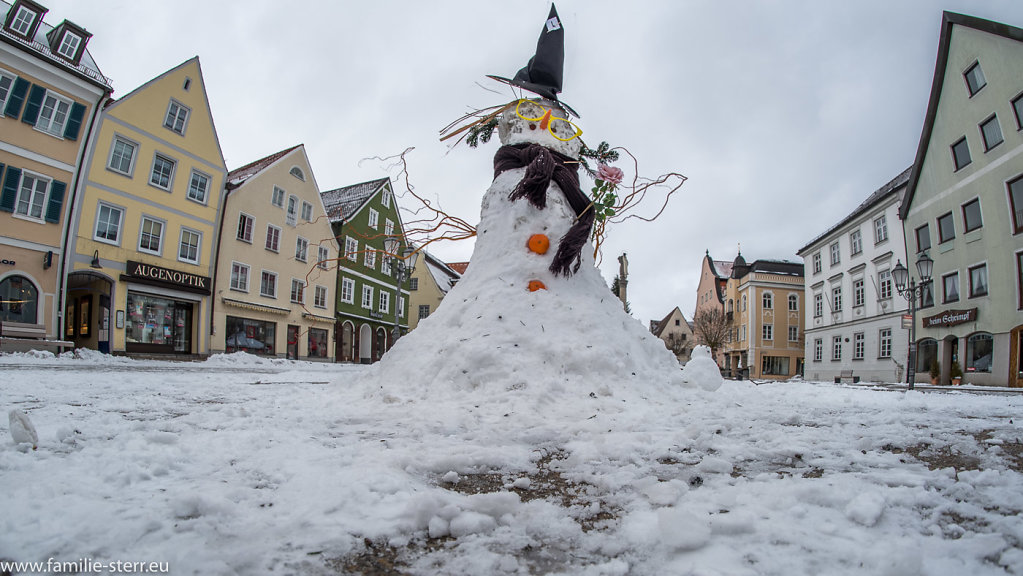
{"x":950,"y":318}
{"x":166,"y":275}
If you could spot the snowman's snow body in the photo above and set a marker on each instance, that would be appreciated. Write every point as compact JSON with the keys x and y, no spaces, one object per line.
{"x":491,"y":330}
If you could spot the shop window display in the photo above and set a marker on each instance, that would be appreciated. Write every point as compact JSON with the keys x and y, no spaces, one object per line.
{"x":252,"y":336}
{"x":18,"y":300}
{"x":317,"y":343}
{"x":158,"y":324}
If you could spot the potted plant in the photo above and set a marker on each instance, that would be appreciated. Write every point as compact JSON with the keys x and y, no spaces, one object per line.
{"x":935,"y":371}
{"x":956,"y":373}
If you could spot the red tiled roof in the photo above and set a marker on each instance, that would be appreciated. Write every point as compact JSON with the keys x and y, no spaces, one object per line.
{"x":458,"y":266}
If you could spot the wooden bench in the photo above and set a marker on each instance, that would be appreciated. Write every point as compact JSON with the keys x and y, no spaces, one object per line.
{"x":846,"y":376}
{"x":22,"y":330}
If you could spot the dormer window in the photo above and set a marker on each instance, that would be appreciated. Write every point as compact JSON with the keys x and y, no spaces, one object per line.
{"x":24,"y":20}
{"x":69,"y":45}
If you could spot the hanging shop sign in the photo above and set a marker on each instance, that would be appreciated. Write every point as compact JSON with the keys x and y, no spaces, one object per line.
{"x":950,"y":318}
{"x":159,"y":276}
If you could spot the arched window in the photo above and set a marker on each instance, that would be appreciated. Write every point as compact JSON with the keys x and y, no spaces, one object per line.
{"x":19,"y":300}
{"x":381,"y":344}
{"x":926,"y":352}
{"x":731,"y":305}
{"x":768,"y":301}
{"x":979,"y":347}
{"x":793,"y":302}
{"x":347,"y":342}
{"x":297,"y":173}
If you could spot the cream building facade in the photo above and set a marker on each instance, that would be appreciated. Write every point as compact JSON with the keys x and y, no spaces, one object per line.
{"x":276,"y":262}
{"x":50,"y":93}
{"x":430,"y":283}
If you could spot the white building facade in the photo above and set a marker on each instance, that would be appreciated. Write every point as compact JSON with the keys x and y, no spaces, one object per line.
{"x":854,"y":316}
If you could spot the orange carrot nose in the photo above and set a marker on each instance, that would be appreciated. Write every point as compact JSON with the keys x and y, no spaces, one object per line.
{"x":545,"y":120}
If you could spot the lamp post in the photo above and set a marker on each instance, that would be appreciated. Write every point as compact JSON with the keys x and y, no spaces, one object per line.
{"x":924,"y":267}
{"x":402,"y":268}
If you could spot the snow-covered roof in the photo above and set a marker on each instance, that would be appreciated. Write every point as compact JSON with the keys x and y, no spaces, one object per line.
{"x":443,"y":275}
{"x":891,"y":187}
{"x":238,"y":176}
{"x":721,"y":268}
{"x":342,"y":203}
{"x":86,"y":67}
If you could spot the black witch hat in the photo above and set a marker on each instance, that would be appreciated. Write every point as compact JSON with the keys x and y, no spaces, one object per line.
{"x":543,"y":74}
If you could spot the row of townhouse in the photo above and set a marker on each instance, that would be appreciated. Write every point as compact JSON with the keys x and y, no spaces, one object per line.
{"x":959,"y":208}
{"x":122,"y":229}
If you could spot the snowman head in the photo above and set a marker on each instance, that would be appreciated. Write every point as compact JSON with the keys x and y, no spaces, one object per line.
{"x":542,"y":122}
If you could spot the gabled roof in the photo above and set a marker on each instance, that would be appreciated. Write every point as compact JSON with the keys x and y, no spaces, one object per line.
{"x":443,"y":275}
{"x":238,"y":176}
{"x":892,"y":187}
{"x":948,"y":21}
{"x":343,"y":203}
{"x":658,"y":327}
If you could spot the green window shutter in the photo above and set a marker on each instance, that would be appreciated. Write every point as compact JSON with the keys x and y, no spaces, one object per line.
{"x":57,"y":189}
{"x":17,"y":98}
{"x":9,"y":193}
{"x":74,"y":121}
{"x":35,"y":102}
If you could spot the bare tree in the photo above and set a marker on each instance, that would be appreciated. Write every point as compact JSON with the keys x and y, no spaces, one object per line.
{"x":678,"y":344}
{"x":711,"y":328}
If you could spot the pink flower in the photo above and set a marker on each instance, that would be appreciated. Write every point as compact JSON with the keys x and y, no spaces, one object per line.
{"x":610,"y":174}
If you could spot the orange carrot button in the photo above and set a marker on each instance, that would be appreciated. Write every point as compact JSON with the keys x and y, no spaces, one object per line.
{"x":539,"y":243}
{"x":535,"y":285}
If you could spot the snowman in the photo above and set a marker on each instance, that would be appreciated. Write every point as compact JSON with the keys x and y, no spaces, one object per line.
{"x":532,"y":311}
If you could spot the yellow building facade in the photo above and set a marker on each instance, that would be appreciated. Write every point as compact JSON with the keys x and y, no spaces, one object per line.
{"x":143,"y":238}
{"x":277,"y":262}
{"x":50,"y":90}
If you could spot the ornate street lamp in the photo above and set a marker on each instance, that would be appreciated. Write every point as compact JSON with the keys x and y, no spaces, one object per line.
{"x":924,"y":267}
{"x":402,"y":268}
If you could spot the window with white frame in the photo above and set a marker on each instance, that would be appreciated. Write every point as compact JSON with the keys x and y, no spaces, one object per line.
{"x":793,"y":302}
{"x":767,"y":332}
{"x":859,"y":345}
{"x":424,"y":311}
{"x":348,"y":290}
{"x":384,"y":304}
{"x":301,"y":249}
{"x":292,"y":215}
{"x":151,"y":235}
{"x":768,"y":300}
{"x":69,"y":45}
{"x":818,"y":304}
{"x":816,"y":258}
{"x":742,"y":333}
{"x":163,"y":172}
{"x":268,"y":284}
{"x":323,"y":257}
{"x":239,"y":277}
{"x":188,"y":249}
{"x":351,"y":249}
{"x":859,"y":293}
{"x":367,"y":297}
{"x":23,"y":20}
{"x":385,"y":198}
{"x":176,"y":118}
{"x":793,"y":333}
{"x":53,"y":114}
{"x":978,"y":280}
{"x":836,"y":254}
{"x":884,"y":282}
{"x":273,"y":238}
{"x":413,"y":284}
{"x":818,"y":350}
{"x":836,"y":298}
{"x":297,"y":291}
{"x":374,"y":218}
{"x":401,"y":306}
{"x":108,"y":224}
{"x":6,"y":82}
{"x":385,"y":264}
{"x":32,"y":195}
{"x":880,"y":229}
{"x":836,"y":348}
{"x":388,"y":227}
{"x":122,"y":156}
{"x":245,"y":225}
{"x":370,"y":260}
{"x":277,"y":198}
{"x":198,"y":187}
{"x":297,"y":173}
{"x":320,"y":297}
{"x":855,"y":242}
{"x":884,"y":343}
{"x":307,"y":211}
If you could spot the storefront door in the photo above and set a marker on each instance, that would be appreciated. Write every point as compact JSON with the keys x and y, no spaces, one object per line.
{"x":1016,"y":357}
{"x":293,"y":332}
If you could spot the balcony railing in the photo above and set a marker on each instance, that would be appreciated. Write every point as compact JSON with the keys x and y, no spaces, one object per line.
{"x":44,"y":51}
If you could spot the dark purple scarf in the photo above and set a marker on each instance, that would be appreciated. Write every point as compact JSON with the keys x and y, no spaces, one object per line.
{"x":543,"y":165}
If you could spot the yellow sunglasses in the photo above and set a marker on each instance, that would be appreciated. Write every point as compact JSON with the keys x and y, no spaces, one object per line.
{"x":561,"y":128}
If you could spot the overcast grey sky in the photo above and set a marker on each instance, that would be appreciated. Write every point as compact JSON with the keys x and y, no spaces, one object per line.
{"x":784,"y":114}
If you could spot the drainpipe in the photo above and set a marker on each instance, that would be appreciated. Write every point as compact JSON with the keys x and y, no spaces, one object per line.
{"x":228,"y":188}
{"x":80,"y":170}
